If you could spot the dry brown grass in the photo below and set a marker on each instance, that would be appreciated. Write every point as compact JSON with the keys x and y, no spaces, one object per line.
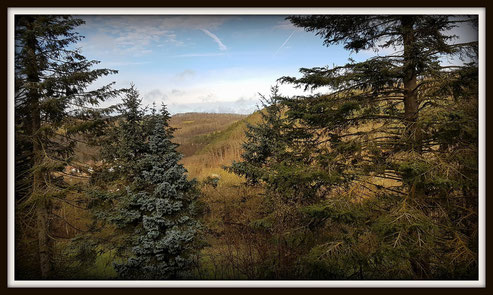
{"x":190,"y":126}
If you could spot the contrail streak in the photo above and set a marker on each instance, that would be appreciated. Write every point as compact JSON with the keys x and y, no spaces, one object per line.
{"x":215,"y":38}
{"x":284,"y":43}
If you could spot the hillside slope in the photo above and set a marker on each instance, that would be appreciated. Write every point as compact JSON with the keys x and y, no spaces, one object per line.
{"x":213,"y":150}
{"x":189,"y":126}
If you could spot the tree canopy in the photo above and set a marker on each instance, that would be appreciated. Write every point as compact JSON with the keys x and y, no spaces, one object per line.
{"x":385,"y":163}
{"x":144,"y":192}
{"x":53,"y":107}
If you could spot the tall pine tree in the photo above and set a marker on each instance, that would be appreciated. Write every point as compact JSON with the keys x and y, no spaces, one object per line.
{"x":52,"y":107}
{"x":394,"y":144}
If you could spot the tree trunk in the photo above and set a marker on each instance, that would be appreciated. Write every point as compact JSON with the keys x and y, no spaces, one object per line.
{"x":412,"y":134}
{"x":42,"y":225}
{"x":410,"y":83}
{"x":44,"y":248}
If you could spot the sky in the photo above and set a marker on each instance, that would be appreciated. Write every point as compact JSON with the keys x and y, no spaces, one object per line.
{"x":205,"y":63}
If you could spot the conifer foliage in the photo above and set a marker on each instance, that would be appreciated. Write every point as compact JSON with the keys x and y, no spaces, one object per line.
{"x":378,"y":166}
{"x":52,"y":109}
{"x":153,"y":203}
{"x":374,"y":178}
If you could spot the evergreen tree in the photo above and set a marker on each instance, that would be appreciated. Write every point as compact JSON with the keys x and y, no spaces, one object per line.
{"x":396,"y":177}
{"x":277,"y":153}
{"x":124,"y":144}
{"x":163,"y":198}
{"x":148,"y":196}
{"x":52,"y":107}
{"x":263,"y":141}
{"x":277,"y":156}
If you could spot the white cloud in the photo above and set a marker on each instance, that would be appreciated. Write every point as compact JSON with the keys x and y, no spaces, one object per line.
{"x":232,"y":90}
{"x":134,"y":35}
{"x":232,"y":107}
{"x":177,"y":92}
{"x":185,"y":74}
{"x":154,"y":96}
{"x":210,"y":97}
{"x":128,"y":40}
{"x":216,"y":39}
{"x":218,"y":92}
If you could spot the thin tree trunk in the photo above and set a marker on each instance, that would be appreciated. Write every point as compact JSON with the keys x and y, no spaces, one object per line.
{"x":43,"y":239}
{"x":410,"y":83}
{"x":413,"y":133}
{"x":41,"y":202}
{"x":42,"y":211}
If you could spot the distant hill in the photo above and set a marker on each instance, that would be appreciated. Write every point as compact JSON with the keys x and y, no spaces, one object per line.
{"x":215,"y":149}
{"x":207,"y":141}
{"x":189,"y":126}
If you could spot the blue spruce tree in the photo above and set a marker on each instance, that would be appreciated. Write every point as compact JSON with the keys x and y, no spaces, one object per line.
{"x":158,"y":208}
